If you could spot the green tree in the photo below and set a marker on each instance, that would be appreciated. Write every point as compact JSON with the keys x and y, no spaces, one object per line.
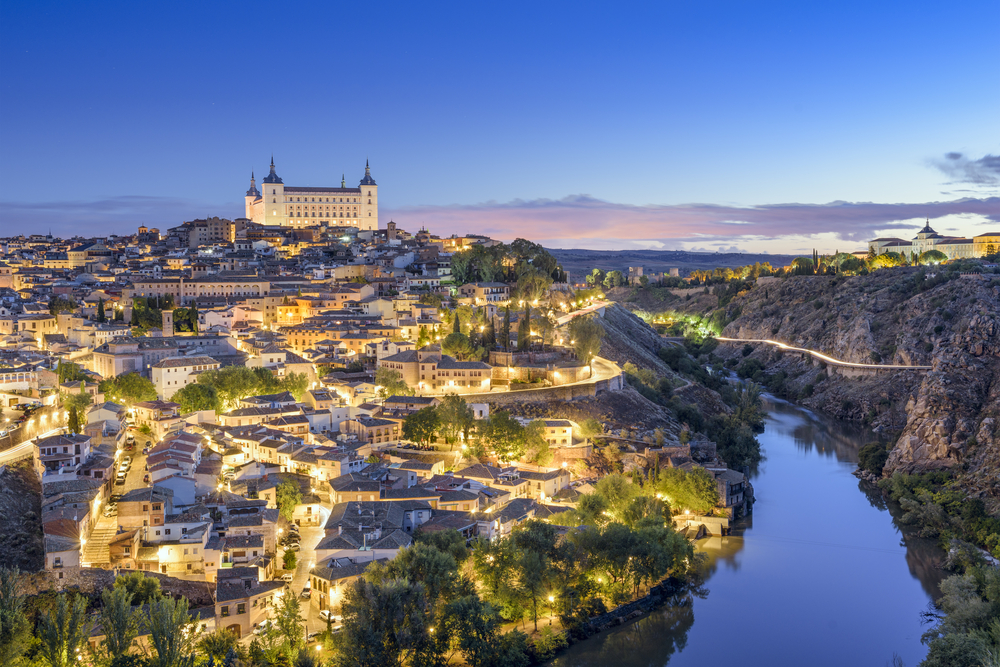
{"x":422,"y":425}
{"x":390,"y":383}
{"x":289,"y":560}
{"x":932,"y":257}
{"x":119,"y":623}
{"x":73,"y":422}
{"x":695,"y":489}
{"x":505,"y":329}
{"x":537,"y":449}
{"x":447,"y":541}
{"x":596,"y":278}
{"x":195,"y":397}
{"x":171,"y":633}
{"x":218,"y":643}
{"x":234,"y":383}
{"x":524,"y":329}
{"x":128,"y":389}
{"x":614,"y":279}
{"x":586,"y":335}
{"x":504,"y":435}
{"x":457,"y":418}
{"x":296,"y":384}
{"x":459,"y":345}
{"x":100,"y":310}
{"x":287,"y":496}
{"x":544,"y":326}
{"x":436,"y":571}
{"x":80,"y":401}
{"x":15,"y":630}
{"x":476,"y":627}
{"x":381,"y":621}
{"x":291,"y":625}
{"x":141,"y":588}
{"x":590,"y":428}
{"x":63,"y":630}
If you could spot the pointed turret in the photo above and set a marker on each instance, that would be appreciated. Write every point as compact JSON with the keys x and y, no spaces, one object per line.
{"x":343,"y":180}
{"x":272,"y":177}
{"x":253,"y":191}
{"x":367,"y":180}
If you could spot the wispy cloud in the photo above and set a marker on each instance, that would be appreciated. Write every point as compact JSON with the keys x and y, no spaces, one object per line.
{"x":102,"y":217}
{"x":584,"y":218}
{"x":960,"y":169}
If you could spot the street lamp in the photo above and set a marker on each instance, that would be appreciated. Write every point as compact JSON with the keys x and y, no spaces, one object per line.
{"x":552,"y":610}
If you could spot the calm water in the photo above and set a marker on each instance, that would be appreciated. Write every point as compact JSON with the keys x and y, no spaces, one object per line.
{"x":821,"y":574}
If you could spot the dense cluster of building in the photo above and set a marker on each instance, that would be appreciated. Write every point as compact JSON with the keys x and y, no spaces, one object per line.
{"x":306,"y":285}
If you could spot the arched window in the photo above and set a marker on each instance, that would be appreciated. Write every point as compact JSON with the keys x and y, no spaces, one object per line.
{"x":369,"y":201}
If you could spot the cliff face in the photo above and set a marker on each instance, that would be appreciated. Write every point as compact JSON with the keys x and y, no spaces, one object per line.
{"x":948,"y":415}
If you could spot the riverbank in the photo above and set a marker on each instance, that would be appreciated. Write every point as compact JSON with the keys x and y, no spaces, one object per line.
{"x":823,"y":571}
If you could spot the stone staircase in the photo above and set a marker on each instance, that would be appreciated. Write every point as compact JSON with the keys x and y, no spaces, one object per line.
{"x":95,"y":551}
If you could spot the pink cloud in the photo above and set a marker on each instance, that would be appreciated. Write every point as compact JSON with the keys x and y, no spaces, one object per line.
{"x":584,"y":217}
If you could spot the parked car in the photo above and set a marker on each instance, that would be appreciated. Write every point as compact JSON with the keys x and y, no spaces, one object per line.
{"x":306,"y":593}
{"x":120,"y":481}
{"x":326,"y":615}
{"x":294,"y":546}
{"x":287,"y":577}
{"x":264,"y":625}
{"x":313,"y":636}
{"x":145,"y":477}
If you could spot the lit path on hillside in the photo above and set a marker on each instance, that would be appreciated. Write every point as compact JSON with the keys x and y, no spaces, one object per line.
{"x":601,"y":369}
{"x":19,"y":451}
{"x":823,"y":357}
{"x":593,"y":308}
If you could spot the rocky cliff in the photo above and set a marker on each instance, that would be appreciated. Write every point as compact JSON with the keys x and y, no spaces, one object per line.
{"x":947,"y":416}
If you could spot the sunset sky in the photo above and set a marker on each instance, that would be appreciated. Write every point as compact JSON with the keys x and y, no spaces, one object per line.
{"x":680,"y":125}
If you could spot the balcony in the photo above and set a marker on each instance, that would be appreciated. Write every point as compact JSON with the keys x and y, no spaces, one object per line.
{"x":225,"y":565}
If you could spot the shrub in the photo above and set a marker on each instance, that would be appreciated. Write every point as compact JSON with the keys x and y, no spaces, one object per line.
{"x":747,"y":350}
{"x":872,"y":457}
{"x":549,"y":643}
{"x":928,"y":347}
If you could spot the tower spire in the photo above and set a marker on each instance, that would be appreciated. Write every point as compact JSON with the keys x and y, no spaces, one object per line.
{"x":343,"y":180}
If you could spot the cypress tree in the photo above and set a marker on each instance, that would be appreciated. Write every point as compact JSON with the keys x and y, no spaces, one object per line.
{"x":193,"y":317}
{"x":100,"y":311}
{"x":505,"y":329}
{"x":457,"y":326}
{"x":524,"y":330}
{"x":74,"y":420}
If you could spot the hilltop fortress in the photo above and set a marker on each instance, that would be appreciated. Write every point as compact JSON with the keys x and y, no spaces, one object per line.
{"x":294,"y":206}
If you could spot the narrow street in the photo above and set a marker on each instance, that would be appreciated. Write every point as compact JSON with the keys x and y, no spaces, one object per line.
{"x":95,"y":551}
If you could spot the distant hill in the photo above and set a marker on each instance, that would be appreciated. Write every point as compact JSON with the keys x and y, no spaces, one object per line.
{"x":581,"y":262}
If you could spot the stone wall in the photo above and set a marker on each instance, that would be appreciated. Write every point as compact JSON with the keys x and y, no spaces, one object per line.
{"x":657,"y":597}
{"x":91,"y":581}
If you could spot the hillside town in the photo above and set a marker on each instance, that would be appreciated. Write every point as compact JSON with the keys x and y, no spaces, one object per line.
{"x":271,"y":409}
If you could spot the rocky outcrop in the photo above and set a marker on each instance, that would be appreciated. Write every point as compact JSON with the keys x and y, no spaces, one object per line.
{"x":944,"y":417}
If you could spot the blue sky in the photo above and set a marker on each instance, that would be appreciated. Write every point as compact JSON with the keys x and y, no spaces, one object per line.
{"x":506,"y":116}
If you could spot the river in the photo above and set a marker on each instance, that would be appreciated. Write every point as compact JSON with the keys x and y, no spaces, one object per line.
{"x":820,"y":574}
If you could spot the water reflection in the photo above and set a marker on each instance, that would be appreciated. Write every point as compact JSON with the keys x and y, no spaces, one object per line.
{"x":648,"y":642}
{"x":813,"y":432}
{"x":823,"y":568}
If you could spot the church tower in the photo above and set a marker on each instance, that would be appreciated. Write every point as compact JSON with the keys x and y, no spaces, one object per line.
{"x":274,"y":198}
{"x":369,"y":201}
{"x":252,"y":197}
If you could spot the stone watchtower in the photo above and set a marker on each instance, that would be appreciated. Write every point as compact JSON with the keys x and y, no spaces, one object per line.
{"x":168,"y":322}
{"x":369,"y":201}
{"x":274,"y":198}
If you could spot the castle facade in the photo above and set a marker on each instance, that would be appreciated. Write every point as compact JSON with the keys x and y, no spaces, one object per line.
{"x":296,"y":206}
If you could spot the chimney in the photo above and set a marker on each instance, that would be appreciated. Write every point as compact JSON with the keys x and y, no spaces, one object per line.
{"x":340,"y":529}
